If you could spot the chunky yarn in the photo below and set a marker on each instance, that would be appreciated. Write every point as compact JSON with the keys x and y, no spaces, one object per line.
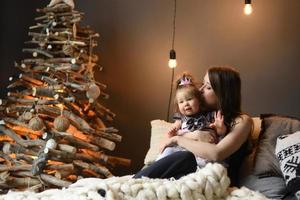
{"x":208,"y":183}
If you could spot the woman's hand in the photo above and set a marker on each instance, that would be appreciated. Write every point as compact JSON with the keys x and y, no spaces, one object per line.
{"x":167,"y":143}
{"x":207,"y":136}
{"x":201,"y":135}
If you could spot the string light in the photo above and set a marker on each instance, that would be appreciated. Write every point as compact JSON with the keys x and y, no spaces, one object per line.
{"x":172,"y":59}
{"x":248,"y":7}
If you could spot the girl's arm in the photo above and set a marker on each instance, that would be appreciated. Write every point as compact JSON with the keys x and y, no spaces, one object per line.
{"x":217,"y":152}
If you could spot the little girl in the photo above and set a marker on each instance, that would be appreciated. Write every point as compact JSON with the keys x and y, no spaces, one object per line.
{"x":191,"y":119}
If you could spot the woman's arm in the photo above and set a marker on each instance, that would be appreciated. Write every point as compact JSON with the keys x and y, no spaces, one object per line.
{"x":217,"y":152}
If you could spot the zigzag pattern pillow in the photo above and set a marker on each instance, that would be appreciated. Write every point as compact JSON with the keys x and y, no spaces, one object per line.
{"x":288,"y":153}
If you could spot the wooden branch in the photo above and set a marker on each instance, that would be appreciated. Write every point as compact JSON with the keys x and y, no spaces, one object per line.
{"x":110,"y":136}
{"x":27,"y":132}
{"x":74,"y":141}
{"x":15,"y":182}
{"x":99,"y":123}
{"x":39,"y":51}
{"x":33,"y":61}
{"x":71,"y":106}
{"x":27,"y":158}
{"x":13,"y":135}
{"x":101,"y":142}
{"x":43,"y":92}
{"x":30,"y":79}
{"x":90,"y":173}
{"x":101,"y":107}
{"x":36,"y":142}
{"x":99,"y":169}
{"x":56,"y":8}
{"x":67,"y":148}
{"x":23,"y":174}
{"x":15,"y":168}
{"x":71,"y":42}
{"x":52,"y":15}
{"x":16,"y":148}
{"x":54,"y":181}
{"x":66,"y":167}
{"x":7,"y":158}
{"x":37,"y":26}
{"x":67,"y":157}
{"x":15,"y":122}
{"x":19,"y":83}
{"x":62,"y":174}
{"x":22,"y":94}
{"x":113,"y":160}
{"x":52,"y":36}
{"x":5,"y":138}
{"x":76,"y":86}
{"x":49,"y":80}
{"x":36,"y":100}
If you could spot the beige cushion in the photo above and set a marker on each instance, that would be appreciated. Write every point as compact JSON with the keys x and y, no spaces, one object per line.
{"x":159,"y":129}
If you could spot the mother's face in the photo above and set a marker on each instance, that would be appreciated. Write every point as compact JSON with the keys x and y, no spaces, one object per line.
{"x":209,"y":96}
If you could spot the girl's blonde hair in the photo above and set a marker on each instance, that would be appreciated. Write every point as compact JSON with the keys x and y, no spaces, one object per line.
{"x":187,"y":83}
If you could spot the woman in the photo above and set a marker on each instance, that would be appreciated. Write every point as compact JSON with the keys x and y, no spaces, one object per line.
{"x":221,"y":90}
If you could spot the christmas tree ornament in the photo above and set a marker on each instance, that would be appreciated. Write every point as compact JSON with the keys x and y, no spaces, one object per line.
{"x":61,"y":123}
{"x":36,"y":124}
{"x":93,"y":92}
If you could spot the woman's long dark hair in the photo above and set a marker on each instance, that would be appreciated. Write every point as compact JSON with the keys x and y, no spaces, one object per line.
{"x":226,"y":83}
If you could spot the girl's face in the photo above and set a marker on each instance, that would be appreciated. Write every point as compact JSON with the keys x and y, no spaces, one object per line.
{"x":209,"y":96}
{"x":188,"y":104}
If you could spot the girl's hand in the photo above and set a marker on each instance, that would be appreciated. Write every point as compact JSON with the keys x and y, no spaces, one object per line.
{"x":172,"y":132}
{"x":219,"y":124}
{"x":174,"y":128}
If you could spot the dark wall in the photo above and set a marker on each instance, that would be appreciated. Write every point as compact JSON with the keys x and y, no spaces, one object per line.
{"x":134,"y":45}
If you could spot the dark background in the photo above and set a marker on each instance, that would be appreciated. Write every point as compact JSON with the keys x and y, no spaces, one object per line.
{"x":134,"y":45}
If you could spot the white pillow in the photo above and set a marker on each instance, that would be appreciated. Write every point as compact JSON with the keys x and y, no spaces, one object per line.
{"x":159,"y":129}
{"x":288,"y":153}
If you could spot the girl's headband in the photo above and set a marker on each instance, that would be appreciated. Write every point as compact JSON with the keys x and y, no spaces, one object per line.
{"x":185,"y":81}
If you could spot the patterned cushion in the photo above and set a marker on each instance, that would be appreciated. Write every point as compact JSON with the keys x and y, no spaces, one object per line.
{"x":288,"y":153}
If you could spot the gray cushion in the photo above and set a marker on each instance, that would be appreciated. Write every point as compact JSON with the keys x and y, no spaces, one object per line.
{"x":265,"y":161}
{"x":271,"y":187}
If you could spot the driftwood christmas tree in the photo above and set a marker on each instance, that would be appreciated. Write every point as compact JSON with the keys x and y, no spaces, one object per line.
{"x":52,"y":130}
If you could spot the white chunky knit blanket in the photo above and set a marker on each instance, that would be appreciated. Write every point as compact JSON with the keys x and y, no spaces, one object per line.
{"x":210,"y":182}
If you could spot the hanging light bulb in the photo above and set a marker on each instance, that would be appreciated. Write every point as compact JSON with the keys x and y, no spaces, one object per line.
{"x":248,"y":7}
{"x":172,"y":60}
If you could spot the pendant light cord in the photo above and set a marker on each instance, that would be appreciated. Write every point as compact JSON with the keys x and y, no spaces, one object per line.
{"x":173,"y":69}
{"x":174,"y":24}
